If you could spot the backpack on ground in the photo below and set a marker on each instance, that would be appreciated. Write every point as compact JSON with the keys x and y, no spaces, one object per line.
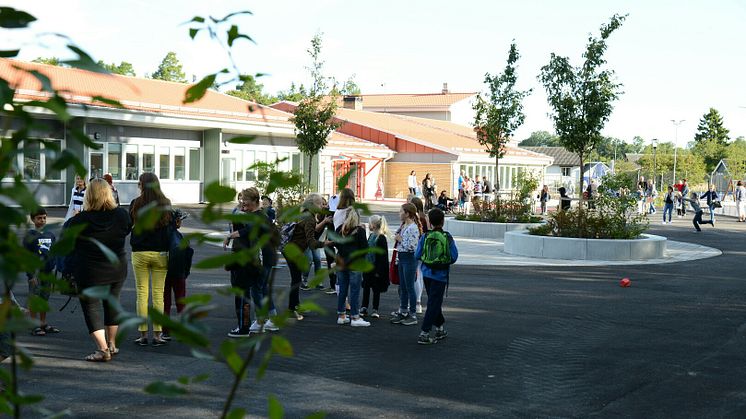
{"x":286,"y":234}
{"x":436,"y":250}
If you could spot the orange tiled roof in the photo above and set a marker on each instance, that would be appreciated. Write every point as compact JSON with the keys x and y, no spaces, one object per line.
{"x":134,"y":93}
{"x":427,"y":100}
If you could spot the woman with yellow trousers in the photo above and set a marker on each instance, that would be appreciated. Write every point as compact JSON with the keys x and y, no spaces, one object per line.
{"x":150,"y":245}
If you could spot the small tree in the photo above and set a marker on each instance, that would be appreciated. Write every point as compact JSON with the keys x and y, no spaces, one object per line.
{"x":500,"y":112}
{"x":314,"y":116}
{"x":170,"y":69}
{"x":711,"y":139}
{"x":581,"y":97}
{"x":251,"y":90}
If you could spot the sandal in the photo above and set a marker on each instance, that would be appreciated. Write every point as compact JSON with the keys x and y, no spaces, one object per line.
{"x":113,"y":350}
{"x":51,"y":329}
{"x":38,"y":331}
{"x":99,"y":356}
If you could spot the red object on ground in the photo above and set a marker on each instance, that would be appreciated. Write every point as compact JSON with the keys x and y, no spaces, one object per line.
{"x":625,"y":282}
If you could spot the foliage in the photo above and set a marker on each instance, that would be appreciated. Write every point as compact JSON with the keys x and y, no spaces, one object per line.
{"x":711,"y":139}
{"x":500,"y":111}
{"x":350,"y":87}
{"x":314,"y":116}
{"x":736,"y":155}
{"x":506,"y":211}
{"x":47,"y":60}
{"x":581,"y":97}
{"x":527,"y":182}
{"x":293,"y":94}
{"x":124,"y":68}
{"x":251,"y":90}
{"x":287,"y":197}
{"x":614,"y":217}
{"x":170,"y":69}
{"x":541,"y":139}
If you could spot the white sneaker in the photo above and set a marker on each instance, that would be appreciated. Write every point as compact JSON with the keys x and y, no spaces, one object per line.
{"x":419,"y":308}
{"x":359,"y":323}
{"x":255,"y":327}
{"x":270,"y":327}
{"x":343,"y":320}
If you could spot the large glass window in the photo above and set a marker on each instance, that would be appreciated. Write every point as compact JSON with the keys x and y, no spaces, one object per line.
{"x":179,"y":163}
{"x":49,"y":157}
{"x":131,"y":159}
{"x":295,"y":161}
{"x":164,"y":162}
{"x":114,"y":163}
{"x":97,"y":165}
{"x":148,"y":158}
{"x":32,"y":160}
{"x":248,"y":161}
{"x":194,"y":164}
{"x":238,"y":168}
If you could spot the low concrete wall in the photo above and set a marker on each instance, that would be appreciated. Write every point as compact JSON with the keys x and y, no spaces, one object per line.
{"x":483,"y":230}
{"x":523,"y":244}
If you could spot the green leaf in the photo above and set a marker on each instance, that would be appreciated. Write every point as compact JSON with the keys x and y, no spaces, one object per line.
{"x":11,"y":18}
{"x":197,"y":299}
{"x":202,"y":355}
{"x":243,"y":139}
{"x":198,"y":90}
{"x":193,"y":32}
{"x":38,"y":304}
{"x":231,"y":357}
{"x":282,"y":180}
{"x":165,"y":389}
{"x":127,"y":326}
{"x":84,"y":61}
{"x":66,"y":242}
{"x":200,"y":378}
{"x":311,"y":306}
{"x":344,"y":180}
{"x":282,"y":346}
{"x":46,"y":84}
{"x":233,"y":34}
{"x":216,"y":193}
{"x":66,"y":159}
{"x":294,"y":255}
{"x":237,"y":413}
{"x":230,"y":15}
{"x":198,"y":19}
{"x":219,"y":261}
{"x":99,"y":292}
{"x":110,"y":102}
{"x":275,"y":409}
{"x":317,"y":415}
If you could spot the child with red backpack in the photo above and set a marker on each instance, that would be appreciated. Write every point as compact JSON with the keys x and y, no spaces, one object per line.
{"x":437,"y":251}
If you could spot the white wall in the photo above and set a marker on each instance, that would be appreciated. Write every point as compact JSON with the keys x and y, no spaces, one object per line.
{"x":462,"y":112}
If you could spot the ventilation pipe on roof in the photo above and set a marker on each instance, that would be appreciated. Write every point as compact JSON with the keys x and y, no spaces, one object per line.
{"x":445,"y":89}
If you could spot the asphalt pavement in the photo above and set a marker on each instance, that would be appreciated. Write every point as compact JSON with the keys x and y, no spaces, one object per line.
{"x":524,"y":341}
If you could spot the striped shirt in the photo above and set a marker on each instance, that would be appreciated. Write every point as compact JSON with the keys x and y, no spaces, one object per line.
{"x":78,"y":196}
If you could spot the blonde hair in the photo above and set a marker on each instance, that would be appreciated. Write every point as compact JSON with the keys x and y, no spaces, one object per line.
{"x":98,"y":196}
{"x":351,"y":221}
{"x":249,"y":195}
{"x":379,"y":224}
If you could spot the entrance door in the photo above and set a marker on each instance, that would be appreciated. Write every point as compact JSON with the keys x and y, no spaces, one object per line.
{"x":227,"y":172}
{"x":96,"y":165}
{"x":356,"y":181}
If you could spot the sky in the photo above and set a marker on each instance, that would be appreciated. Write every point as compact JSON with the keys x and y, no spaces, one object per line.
{"x":675,"y":59}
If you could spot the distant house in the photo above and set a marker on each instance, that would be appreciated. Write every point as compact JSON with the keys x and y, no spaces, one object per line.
{"x":594,"y":171}
{"x":444,"y":106}
{"x":565,"y":171}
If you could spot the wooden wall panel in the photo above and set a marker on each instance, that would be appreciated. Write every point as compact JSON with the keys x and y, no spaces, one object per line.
{"x":395,"y":179}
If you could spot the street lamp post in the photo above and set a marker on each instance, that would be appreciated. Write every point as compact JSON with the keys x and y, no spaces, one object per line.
{"x":676,"y":144}
{"x":655,"y":161}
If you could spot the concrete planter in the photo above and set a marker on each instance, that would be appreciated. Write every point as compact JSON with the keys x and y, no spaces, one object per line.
{"x":483,"y":230}
{"x":521,"y":243}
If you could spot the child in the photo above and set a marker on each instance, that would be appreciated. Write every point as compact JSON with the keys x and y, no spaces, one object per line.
{"x":697,"y":220}
{"x":179,"y":267}
{"x":376,"y":280}
{"x":437,"y":251}
{"x":268,"y":209}
{"x":38,"y":241}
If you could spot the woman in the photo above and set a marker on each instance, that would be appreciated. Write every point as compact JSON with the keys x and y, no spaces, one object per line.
{"x":668,"y":201}
{"x":346,"y":199}
{"x":303,"y":237}
{"x":407,"y":237}
{"x":110,"y":180}
{"x":468,"y":186}
{"x":351,"y":244}
{"x":543,"y":199}
{"x":377,"y":280}
{"x":109,"y":225}
{"x":77,"y":197}
{"x":150,"y":243}
{"x":412,"y":183}
{"x":428,"y":190}
{"x":741,"y":201}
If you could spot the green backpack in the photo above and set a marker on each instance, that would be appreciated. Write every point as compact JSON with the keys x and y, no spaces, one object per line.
{"x":436,"y":252}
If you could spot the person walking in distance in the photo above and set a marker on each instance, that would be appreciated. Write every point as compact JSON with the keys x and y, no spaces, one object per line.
{"x":412,"y":183}
{"x":741,"y":201}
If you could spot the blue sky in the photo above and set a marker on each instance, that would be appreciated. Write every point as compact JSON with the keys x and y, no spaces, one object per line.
{"x":676,"y":59}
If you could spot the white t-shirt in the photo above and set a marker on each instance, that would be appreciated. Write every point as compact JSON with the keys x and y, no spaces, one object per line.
{"x":339,"y":217}
{"x":333,"y":202}
{"x":412,"y":181}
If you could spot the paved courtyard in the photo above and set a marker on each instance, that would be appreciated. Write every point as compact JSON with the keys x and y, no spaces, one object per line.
{"x":541,"y":340}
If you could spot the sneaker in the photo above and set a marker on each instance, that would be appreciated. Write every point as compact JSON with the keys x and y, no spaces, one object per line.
{"x":359,"y":323}
{"x":363,"y":311}
{"x":159,"y":341}
{"x":419,"y":308}
{"x":320,"y":287}
{"x":395,"y":313}
{"x":270,"y":327}
{"x":409,"y":320}
{"x":343,"y":320}
{"x":165,"y":336}
{"x":397,"y":318}
{"x":426,"y":339}
{"x":330,"y":291}
{"x":298,"y":316}
{"x":142,"y":341}
{"x":304,"y":287}
{"x":375,"y":314}
{"x":440,"y":333}
{"x":238,"y":333}
{"x":255,"y":327}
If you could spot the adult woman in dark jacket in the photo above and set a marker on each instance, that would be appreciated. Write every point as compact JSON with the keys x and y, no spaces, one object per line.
{"x":150,"y":246}
{"x":107,"y":224}
{"x":304,"y":238}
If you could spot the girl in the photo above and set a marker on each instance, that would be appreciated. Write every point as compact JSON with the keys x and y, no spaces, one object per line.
{"x":76,"y":198}
{"x":419,"y":283}
{"x":412,"y":183}
{"x":407,"y":238}
{"x":668,"y":202}
{"x":543,"y":199}
{"x":150,"y":245}
{"x":376,"y":280}
{"x":349,"y":279}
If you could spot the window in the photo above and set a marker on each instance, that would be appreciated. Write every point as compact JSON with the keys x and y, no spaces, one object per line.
{"x":566,"y":171}
{"x":284,"y":165}
{"x":148,"y":158}
{"x":132,"y":171}
{"x":164,"y":162}
{"x":114,"y":164}
{"x":96,"y":165}
{"x":261,"y":156}
{"x":194,"y":168}
{"x":32,"y":160}
{"x":179,"y":163}
{"x":238,"y":167}
{"x":49,"y":157}
{"x":248,"y":161}
{"x":295,"y":162}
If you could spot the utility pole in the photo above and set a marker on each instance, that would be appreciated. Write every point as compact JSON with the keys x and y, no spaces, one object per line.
{"x":676,"y":144}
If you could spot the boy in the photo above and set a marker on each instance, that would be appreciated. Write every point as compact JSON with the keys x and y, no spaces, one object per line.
{"x":38,"y":241}
{"x":438,"y":251}
{"x":268,"y":209}
{"x":179,"y":267}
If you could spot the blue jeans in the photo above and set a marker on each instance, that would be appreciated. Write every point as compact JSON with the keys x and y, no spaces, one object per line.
{"x":667,"y":209}
{"x":407,"y":277}
{"x":349,"y":281}
{"x":316,"y":258}
{"x":434,"y":314}
{"x":712,"y":213}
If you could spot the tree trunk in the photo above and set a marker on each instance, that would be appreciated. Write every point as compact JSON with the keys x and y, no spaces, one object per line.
{"x":496,"y":186}
{"x":581,"y":217}
{"x":310,"y":170}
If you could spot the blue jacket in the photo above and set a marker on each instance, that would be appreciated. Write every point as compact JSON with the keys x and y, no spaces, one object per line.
{"x":436,"y":274}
